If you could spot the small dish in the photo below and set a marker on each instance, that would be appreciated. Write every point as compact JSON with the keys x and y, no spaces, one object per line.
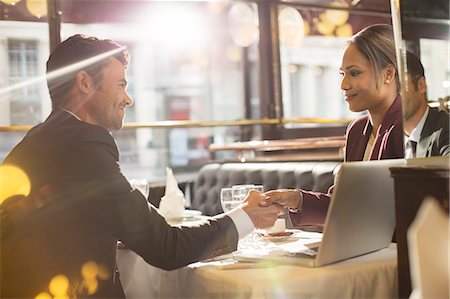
{"x":276,"y":236}
{"x":188,"y":215}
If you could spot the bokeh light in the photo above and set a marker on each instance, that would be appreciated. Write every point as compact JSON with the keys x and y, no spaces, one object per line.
{"x":10,"y":2}
{"x":336,"y":17}
{"x":89,"y":270}
{"x":103,"y":272}
{"x":91,"y":285}
{"x":13,"y":181}
{"x":345,"y":30}
{"x":324,"y":26}
{"x":37,"y":8}
{"x":59,"y":286}
{"x":233,"y":53}
{"x":291,"y":27}
{"x":43,"y":296}
{"x":243,"y":24}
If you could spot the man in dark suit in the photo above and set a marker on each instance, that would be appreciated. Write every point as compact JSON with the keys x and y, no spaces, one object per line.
{"x":61,"y":239}
{"x":426,"y":128}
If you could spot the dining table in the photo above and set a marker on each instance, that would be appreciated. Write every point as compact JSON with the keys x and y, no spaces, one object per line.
{"x":372,"y":275}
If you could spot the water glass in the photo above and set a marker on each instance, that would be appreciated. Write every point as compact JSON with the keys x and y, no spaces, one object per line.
{"x":228,"y":200}
{"x":231,"y":198}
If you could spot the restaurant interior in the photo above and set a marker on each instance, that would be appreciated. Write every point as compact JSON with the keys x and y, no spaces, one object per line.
{"x":233,"y":92}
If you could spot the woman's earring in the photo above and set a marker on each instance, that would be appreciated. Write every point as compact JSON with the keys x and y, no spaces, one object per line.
{"x":387,"y":81}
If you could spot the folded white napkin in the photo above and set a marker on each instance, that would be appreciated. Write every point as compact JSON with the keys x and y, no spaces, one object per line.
{"x":172,"y":203}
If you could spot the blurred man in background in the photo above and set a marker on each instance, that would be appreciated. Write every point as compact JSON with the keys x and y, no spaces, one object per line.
{"x":426,"y":128}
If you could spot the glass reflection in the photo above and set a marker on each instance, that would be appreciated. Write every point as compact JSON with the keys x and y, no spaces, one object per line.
{"x":424,"y":55}
{"x":310,"y":77}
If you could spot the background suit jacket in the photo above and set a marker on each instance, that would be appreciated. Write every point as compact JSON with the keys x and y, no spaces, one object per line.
{"x":435,"y":135}
{"x":73,"y":166}
{"x":388,"y":144}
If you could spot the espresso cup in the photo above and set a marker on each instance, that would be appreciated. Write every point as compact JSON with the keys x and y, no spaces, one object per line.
{"x":278,"y":227}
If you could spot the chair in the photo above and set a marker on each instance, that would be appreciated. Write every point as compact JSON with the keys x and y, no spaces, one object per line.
{"x":428,"y":248}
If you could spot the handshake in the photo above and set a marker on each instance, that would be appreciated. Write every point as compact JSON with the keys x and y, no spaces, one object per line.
{"x":264,"y":208}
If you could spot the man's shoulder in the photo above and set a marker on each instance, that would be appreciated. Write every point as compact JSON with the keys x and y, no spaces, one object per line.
{"x":438,"y":118}
{"x":64,"y":127}
{"x":441,"y":114}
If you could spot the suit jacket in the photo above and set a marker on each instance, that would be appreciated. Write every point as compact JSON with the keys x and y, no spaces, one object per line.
{"x":73,"y":168}
{"x":434,"y":140}
{"x":388,"y":144}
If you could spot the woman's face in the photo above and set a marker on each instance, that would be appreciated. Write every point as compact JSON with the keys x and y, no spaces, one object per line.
{"x":359,"y":81}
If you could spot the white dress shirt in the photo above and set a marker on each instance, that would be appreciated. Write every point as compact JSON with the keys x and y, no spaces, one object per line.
{"x":244,"y":224}
{"x":415,"y":135}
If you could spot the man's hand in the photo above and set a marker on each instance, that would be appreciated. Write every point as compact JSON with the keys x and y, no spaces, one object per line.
{"x":289,"y":198}
{"x":262,"y":217}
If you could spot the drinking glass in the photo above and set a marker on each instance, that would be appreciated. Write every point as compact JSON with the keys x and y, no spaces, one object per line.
{"x":231,"y":198}
{"x":227,"y":200}
{"x":240,"y":192}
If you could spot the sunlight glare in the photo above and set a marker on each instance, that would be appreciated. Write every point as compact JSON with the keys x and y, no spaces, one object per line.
{"x":176,"y":24}
{"x":60,"y":72}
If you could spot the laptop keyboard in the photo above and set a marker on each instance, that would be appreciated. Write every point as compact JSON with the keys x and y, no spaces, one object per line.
{"x":309,"y":252}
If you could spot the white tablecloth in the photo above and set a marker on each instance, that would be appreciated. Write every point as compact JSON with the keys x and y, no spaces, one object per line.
{"x":370,"y":276}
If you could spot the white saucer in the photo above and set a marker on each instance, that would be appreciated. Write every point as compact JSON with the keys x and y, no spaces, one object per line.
{"x":188,"y":215}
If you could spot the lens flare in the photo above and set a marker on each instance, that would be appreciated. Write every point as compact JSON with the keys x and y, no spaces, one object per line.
{"x":89,"y":270}
{"x":91,"y":285}
{"x":13,"y":181}
{"x":43,"y":296}
{"x":59,"y":285}
{"x":103,"y":273}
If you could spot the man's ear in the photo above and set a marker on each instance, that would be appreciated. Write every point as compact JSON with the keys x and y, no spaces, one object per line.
{"x":422,"y":85}
{"x":83,"y":81}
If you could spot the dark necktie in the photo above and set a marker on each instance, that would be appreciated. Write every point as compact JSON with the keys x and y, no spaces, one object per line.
{"x":413,"y":146}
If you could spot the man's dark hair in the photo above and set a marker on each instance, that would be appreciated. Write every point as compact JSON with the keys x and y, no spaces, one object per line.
{"x":72,"y":55}
{"x":415,"y":68}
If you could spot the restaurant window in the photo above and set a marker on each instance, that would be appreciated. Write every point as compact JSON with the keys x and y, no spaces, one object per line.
{"x":189,"y":62}
{"x":193,"y":61}
{"x":434,"y":55}
{"x":24,"y":102}
{"x":311,"y":42}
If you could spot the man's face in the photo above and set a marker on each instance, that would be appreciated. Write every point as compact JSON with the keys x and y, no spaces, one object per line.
{"x":107,"y":104}
{"x":413,"y":96}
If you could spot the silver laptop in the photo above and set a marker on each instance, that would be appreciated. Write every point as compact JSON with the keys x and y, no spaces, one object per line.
{"x":360,"y":219}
